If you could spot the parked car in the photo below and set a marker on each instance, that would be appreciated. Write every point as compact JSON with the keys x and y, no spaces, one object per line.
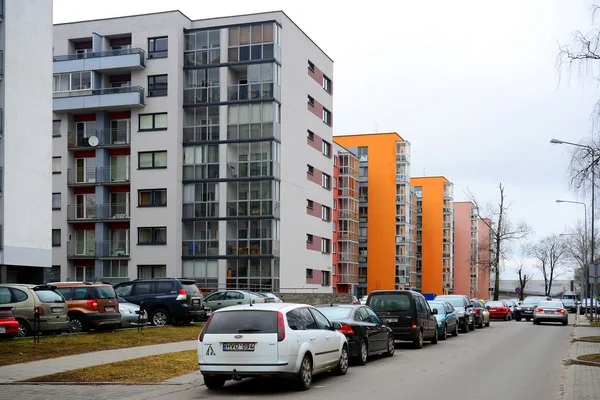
{"x":513,"y":307}
{"x":355,"y":300}
{"x":499,"y":310}
{"x":270,"y":298}
{"x":130,"y":314}
{"x":9,"y":326}
{"x":525,"y":309}
{"x":482,"y":315}
{"x":226,"y":298}
{"x":570,"y":305}
{"x":363,"y":300}
{"x":270,"y":339}
{"x":464,"y":309}
{"x":90,"y":305}
{"x":367,"y":334}
{"x":447,"y":318}
{"x":552,"y":311}
{"x":166,"y":300}
{"x":407,"y":313}
{"x":25,"y":299}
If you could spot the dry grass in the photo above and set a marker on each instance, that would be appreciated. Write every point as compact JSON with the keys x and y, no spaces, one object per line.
{"x":590,"y":338}
{"x":595,"y":323}
{"x":151,"y":369}
{"x":590,"y":357}
{"x":24,"y":350}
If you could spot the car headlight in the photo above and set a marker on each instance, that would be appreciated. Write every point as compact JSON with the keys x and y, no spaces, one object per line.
{"x":439,"y":323}
{"x":461,"y":314}
{"x":124,"y":310}
{"x":519,"y":308}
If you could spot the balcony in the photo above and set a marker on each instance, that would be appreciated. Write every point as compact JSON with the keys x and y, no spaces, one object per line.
{"x":1,"y":65}
{"x":254,"y":91}
{"x":113,"y":248}
{"x":97,"y":176}
{"x":113,"y":138}
{"x":98,"y":212}
{"x":1,"y":180}
{"x":401,"y":178}
{"x":447,"y":210}
{"x":99,"y":99}
{"x":81,"y":249}
{"x":105,"y":61}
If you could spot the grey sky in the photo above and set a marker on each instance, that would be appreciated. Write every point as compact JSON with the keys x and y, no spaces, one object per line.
{"x":472,"y":85}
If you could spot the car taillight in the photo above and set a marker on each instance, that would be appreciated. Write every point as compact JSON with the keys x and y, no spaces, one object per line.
{"x":280,"y":327}
{"x":346,"y":329}
{"x":477,"y":311}
{"x":39,"y":310}
{"x":414,"y":323}
{"x":561,"y":311}
{"x":539,"y":309}
{"x":263,"y":301}
{"x":203,"y":331}
{"x":181,"y":295}
{"x":504,"y":309}
{"x":93,"y":304}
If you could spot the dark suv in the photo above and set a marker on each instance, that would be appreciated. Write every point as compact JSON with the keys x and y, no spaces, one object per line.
{"x":464,"y":309}
{"x":166,"y":300}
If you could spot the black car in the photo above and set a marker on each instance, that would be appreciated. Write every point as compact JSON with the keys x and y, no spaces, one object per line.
{"x":525,"y":309}
{"x":570,"y":305}
{"x":407,"y":313}
{"x":464,"y":308}
{"x":166,"y":300}
{"x":366,"y":333}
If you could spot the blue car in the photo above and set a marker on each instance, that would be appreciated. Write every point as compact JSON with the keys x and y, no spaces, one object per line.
{"x":447,"y":318}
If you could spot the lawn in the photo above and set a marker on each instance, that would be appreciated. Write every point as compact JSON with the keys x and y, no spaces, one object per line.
{"x":595,"y":339}
{"x":590,"y":357}
{"x":24,"y":350}
{"x":151,"y":369}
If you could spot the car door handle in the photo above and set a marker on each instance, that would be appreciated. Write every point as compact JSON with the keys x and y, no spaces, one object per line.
{"x":218,"y":304}
{"x":239,"y":302}
{"x":328,"y":337}
{"x":312,"y":338}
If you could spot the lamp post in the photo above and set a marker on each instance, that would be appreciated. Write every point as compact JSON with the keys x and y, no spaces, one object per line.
{"x":592,"y":244}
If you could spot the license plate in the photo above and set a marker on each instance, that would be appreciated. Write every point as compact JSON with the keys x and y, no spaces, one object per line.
{"x":493,"y":309}
{"x":2,"y":329}
{"x":196,"y":302}
{"x":392,"y":319}
{"x":549,"y":312}
{"x":527,"y":312}
{"x":109,"y":309}
{"x":56,"y":309}
{"x":238,"y":346}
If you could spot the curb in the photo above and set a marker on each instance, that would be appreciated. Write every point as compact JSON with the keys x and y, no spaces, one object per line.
{"x":192,"y":384}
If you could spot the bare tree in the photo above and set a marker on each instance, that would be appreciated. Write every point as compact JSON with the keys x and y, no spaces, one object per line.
{"x":550,"y":253}
{"x":502,"y":234}
{"x":524,"y":277}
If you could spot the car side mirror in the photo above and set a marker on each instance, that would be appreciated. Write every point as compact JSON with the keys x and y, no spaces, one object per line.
{"x":470,"y":306}
{"x":336,"y":326}
{"x":384,"y":321}
{"x":434,"y":311}
{"x":487,"y":308}
{"x":448,"y":312}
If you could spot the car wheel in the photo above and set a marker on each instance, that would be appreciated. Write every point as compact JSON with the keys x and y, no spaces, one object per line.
{"x":214,"y":382}
{"x":23,"y":329}
{"x":536,"y":322}
{"x":418,"y":342}
{"x":480,"y":325}
{"x":76,"y":324}
{"x":391,"y":349}
{"x":565,"y":322}
{"x":518,"y":319}
{"x":527,"y":319}
{"x":342,"y":366}
{"x":472,"y":325}
{"x":455,"y":331}
{"x":435,"y":336}
{"x":487,"y":323}
{"x":363,"y":353}
{"x":444,"y":333}
{"x":304,"y":377}
{"x":160,"y":317}
{"x":465,"y":329}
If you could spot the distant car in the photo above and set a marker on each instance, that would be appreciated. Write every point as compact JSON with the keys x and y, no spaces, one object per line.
{"x":355,"y":300}
{"x":525,"y":309}
{"x":513,"y":307}
{"x":464,"y":309}
{"x":270,"y":339}
{"x":270,"y":298}
{"x":363,"y":300}
{"x":130,"y":314}
{"x":447,"y":318}
{"x":9,"y":326}
{"x":550,"y":311}
{"x":482,"y":315}
{"x":226,"y":298}
{"x":499,"y":310}
{"x":570,"y":305}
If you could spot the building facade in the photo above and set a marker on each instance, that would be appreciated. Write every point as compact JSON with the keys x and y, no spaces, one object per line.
{"x":25,"y":141}
{"x":179,"y":150}
{"x":466,"y":249}
{"x":435,"y":226}
{"x":386,"y":231}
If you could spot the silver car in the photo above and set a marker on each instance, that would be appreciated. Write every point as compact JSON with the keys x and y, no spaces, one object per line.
{"x":550,"y":311}
{"x":130,"y":314}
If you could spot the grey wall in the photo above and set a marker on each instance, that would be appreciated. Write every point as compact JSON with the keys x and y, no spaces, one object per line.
{"x":316,"y":298}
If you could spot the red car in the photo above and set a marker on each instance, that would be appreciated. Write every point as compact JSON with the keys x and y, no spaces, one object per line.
{"x":499,"y":309}
{"x":8,"y":325}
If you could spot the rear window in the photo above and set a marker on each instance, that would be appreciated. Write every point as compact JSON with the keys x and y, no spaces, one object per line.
{"x":243,"y":322}
{"x":533,"y":300}
{"x":192,"y":289}
{"x":551,"y":304}
{"x":391,"y":302}
{"x":495,"y":303}
{"x":568,"y":301}
{"x":439,"y":307}
{"x":455,"y":301}
{"x":335,"y":313}
{"x":105,"y":292}
{"x":49,"y":296}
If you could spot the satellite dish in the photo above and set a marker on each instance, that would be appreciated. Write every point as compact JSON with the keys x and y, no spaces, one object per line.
{"x":93,"y":141}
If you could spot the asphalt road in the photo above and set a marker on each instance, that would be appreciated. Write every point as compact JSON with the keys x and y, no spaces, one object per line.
{"x":508,"y":360}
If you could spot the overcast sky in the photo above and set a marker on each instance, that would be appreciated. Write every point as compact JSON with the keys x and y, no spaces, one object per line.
{"x":471,"y":84}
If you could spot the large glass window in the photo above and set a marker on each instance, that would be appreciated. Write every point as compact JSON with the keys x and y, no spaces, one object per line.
{"x":152,"y":122}
{"x":158,"y":85}
{"x":250,"y":237}
{"x":202,"y":47}
{"x":200,"y":200}
{"x":253,"y":121}
{"x":200,"y":238}
{"x":158,"y":47}
{"x":200,"y":124}
{"x":253,"y":198}
{"x":72,"y":81}
{"x":258,"y":275}
{"x":201,"y":162}
{"x":256,"y":81}
{"x":115,"y":271}
{"x":152,"y":159}
{"x":201,"y":86}
{"x":152,"y":235}
{"x":254,"y":42}
{"x":253,"y":159}
{"x":205,"y":272}
{"x":152,"y":271}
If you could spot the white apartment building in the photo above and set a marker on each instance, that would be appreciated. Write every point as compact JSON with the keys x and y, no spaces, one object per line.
{"x":25,"y":142}
{"x":180,"y":149}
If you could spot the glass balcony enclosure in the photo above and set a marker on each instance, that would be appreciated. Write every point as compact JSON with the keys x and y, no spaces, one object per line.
{"x":254,"y":121}
{"x":254,"y":198}
{"x":253,"y":159}
{"x":201,"y":86}
{"x":254,"y":81}
{"x":255,"y":42}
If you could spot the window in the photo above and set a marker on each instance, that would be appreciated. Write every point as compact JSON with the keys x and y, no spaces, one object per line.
{"x":254,"y":42}
{"x":152,"y":235}
{"x":362,"y":152}
{"x":309,"y":273}
{"x":158,"y":85}
{"x":309,"y":204}
{"x":333,"y":245}
{"x":158,"y":47}
{"x":116,"y":269}
{"x":202,"y":47}
{"x":311,"y":66}
{"x":310,"y":169}
{"x":309,"y":238}
{"x":56,"y":201}
{"x":327,"y":116}
{"x":55,"y":273}
{"x":327,"y":84}
{"x":326,"y":148}
{"x":326,"y":213}
{"x":152,"y":159}
{"x":55,"y":237}
{"x":322,"y":322}
{"x":201,"y":86}
{"x":56,"y":165}
{"x":311,"y":101}
{"x":310,"y":135}
{"x":151,"y":271}
{"x":152,"y":198}
{"x":153,"y":122}
{"x":326,"y":181}
{"x":325,"y":245}
{"x":325,"y":278}
{"x":72,"y":81}
{"x":56,"y":128}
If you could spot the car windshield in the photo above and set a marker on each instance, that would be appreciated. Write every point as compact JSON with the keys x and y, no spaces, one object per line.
{"x":49,"y":296}
{"x":533,"y":300}
{"x":455,"y":301}
{"x":335,"y":313}
{"x":241,"y":321}
{"x":192,"y":289}
{"x":568,"y":301}
{"x":390,"y":302}
{"x":439,"y":307}
{"x":495,"y":303}
{"x":550,"y":304}
{"x":105,"y":292}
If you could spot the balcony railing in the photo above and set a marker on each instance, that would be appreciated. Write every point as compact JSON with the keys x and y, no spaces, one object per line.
{"x":1,"y":180}
{"x":254,"y":91}
{"x":97,"y":175}
{"x":1,"y":62}
{"x":81,"y":248}
{"x":98,"y":92}
{"x":1,"y":122}
{"x":113,"y":248}
{"x":98,"y":212}
{"x":234,"y":209}
{"x":106,"y":138}
{"x":97,"y":54}
{"x":93,"y":99}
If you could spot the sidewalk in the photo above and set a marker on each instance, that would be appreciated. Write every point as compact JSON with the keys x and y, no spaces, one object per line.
{"x":24,"y":371}
{"x":582,"y":382}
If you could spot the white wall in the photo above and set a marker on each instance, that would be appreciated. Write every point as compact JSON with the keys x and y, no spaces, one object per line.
{"x":27,"y":133}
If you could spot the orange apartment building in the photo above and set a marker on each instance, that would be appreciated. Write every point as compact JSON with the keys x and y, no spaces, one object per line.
{"x":466,"y":248}
{"x":434,"y":263}
{"x":387,"y":237}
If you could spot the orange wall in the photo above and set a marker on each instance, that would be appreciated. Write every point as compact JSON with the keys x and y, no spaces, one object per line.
{"x":432,"y":232}
{"x":484,"y":257}
{"x":462,"y":248}
{"x":381,"y":222}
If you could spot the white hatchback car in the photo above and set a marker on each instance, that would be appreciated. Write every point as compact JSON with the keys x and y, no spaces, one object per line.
{"x":270,"y":340}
